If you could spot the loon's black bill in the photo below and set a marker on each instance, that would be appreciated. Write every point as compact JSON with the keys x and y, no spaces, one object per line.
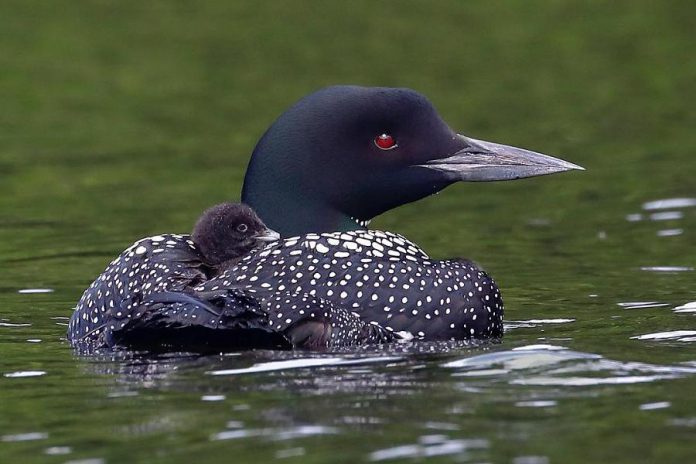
{"x":268,"y":235}
{"x":482,"y":161}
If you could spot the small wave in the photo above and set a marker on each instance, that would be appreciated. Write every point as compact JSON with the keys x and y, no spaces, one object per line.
{"x":669,"y":203}
{"x":656,"y":405}
{"x":536,"y":404}
{"x":30,"y":436}
{"x":21,"y":374}
{"x":14,"y":324}
{"x":666,"y":216}
{"x":590,"y":381}
{"x":686,"y":308}
{"x":531,"y":323}
{"x":667,"y":268}
{"x":641,"y":304}
{"x":276,"y":434}
{"x":301,"y":363}
{"x":428,"y":446}
{"x":551,"y":365}
{"x":669,"y":232}
{"x":519,"y":358}
{"x":27,"y":291}
{"x":673,"y":335}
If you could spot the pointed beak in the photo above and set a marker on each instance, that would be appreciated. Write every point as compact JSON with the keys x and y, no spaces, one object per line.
{"x":268,"y":235}
{"x":481,"y":161}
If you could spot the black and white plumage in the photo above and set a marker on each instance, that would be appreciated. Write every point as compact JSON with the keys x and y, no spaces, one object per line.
{"x":381,"y":276}
{"x":145,"y":298}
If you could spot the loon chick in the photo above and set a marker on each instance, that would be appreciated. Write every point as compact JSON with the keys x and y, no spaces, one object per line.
{"x":226,"y":232}
{"x":329,"y":164}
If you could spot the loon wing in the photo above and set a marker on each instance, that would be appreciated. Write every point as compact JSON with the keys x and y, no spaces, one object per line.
{"x":235,"y":319}
{"x":155,"y":264}
{"x":182,"y":321}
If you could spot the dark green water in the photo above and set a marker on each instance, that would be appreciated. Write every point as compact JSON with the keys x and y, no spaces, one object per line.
{"x":124,"y":119}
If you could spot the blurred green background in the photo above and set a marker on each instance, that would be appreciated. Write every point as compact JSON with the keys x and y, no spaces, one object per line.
{"x":120,"y":119}
{"x":104,"y":99}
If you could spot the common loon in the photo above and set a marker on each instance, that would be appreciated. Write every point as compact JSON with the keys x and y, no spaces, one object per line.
{"x":328,"y":165}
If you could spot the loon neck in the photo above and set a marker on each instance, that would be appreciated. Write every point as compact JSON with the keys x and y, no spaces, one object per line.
{"x":289,"y":193}
{"x":292,"y":216}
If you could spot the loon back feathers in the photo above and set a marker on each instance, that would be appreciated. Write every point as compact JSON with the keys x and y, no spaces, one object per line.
{"x":380,"y":276}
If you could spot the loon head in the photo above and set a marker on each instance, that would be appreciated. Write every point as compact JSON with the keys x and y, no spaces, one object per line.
{"x":345,"y":154}
{"x":228,"y":231}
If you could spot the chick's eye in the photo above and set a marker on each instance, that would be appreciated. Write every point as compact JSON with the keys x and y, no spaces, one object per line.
{"x":242,"y":228}
{"x":385,"y":142}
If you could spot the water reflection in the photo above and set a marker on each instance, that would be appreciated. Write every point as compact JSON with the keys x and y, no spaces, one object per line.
{"x":669,"y":203}
{"x":277,"y":434}
{"x":669,"y":232}
{"x":550,"y":365}
{"x":679,"y":335}
{"x":669,"y":209}
{"x":381,"y":374}
{"x":57,"y":450}
{"x":667,"y":268}
{"x":149,"y":369}
{"x":641,"y":304}
{"x":23,"y":374}
{"x":4,"y":323}
{"x":430,"y":446}
{"x":30,"y":291}
{"x":300,"y":363}
{"x":686,"y":308}
{"x":654,"y":406}
{"x":29,"y":436}
{"x":536,"y":404}
{"x":666,"y":216}
{"x":532,"y":323}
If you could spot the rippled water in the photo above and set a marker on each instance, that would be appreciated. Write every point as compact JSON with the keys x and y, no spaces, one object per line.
{"x":121,"y":120}
{"x":587,"y":374}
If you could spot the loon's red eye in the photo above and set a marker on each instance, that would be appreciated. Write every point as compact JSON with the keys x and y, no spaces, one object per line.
{"x":385,"y":142}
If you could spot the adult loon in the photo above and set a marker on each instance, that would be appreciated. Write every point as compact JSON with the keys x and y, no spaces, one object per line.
{"x":328,"y":165}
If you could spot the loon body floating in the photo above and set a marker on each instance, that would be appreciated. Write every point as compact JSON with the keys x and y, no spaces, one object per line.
{"x":332,"y":162}
{"x":144,"y":297}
